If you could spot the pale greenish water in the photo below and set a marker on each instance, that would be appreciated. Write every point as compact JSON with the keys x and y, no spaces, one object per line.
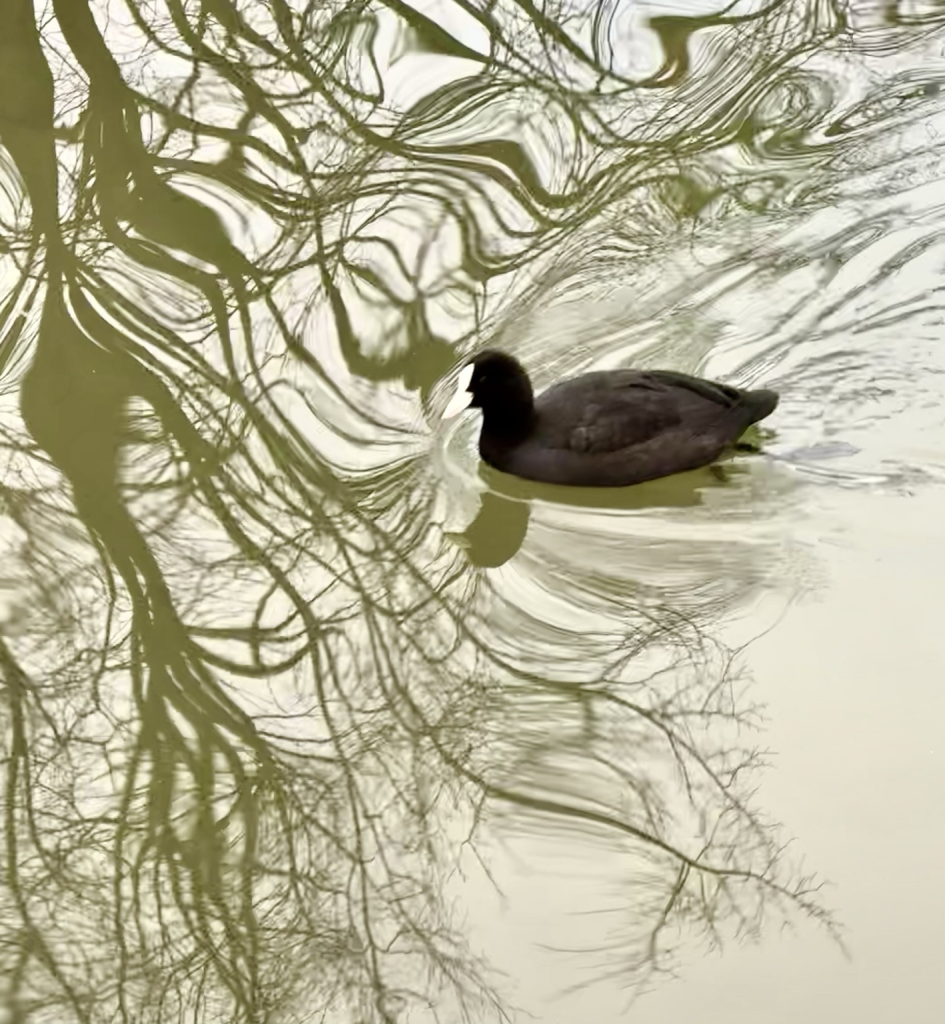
{"x":307,"y":716}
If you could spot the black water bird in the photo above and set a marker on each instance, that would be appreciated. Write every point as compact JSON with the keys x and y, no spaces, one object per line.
{"x":608,"y":428}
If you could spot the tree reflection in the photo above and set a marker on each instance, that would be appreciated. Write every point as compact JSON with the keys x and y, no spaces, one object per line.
{"x":254,"y":702}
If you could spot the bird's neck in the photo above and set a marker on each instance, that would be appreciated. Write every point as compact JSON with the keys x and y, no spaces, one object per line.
{"x":511,"y":421}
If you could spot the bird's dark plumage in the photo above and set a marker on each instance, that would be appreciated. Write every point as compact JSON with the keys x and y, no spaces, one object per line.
{"x":605,"y":429}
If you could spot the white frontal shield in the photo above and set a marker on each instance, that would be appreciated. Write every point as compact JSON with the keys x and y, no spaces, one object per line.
{"x":463,"y":397}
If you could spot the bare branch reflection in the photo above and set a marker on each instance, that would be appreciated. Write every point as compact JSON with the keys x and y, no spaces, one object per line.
{"x":257,"y":706}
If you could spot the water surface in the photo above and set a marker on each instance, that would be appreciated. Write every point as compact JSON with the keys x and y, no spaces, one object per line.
{"x":306,"y":714}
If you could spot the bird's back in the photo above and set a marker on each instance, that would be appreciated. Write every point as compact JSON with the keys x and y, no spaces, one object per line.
{"x":614,"y":428}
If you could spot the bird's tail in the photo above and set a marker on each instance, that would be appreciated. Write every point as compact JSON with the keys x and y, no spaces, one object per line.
{"x":761,"y":403}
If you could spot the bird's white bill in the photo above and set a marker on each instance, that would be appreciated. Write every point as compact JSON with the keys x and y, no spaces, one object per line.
{"x":458,"y":402}
{"x":463,"y":397}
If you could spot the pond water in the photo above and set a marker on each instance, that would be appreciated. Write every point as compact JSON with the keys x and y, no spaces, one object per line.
{"x":309,"y":716}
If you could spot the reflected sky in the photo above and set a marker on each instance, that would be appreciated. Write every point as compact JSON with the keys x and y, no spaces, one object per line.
{"x":280,"y":660}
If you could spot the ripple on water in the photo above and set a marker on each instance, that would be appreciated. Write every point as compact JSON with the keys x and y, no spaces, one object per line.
{"x":270,"y":673}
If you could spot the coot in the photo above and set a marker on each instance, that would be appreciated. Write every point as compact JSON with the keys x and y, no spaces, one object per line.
{"x":610,"y":428}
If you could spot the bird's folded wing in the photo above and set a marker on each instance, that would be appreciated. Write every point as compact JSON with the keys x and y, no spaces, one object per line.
{"x":620,"y":413}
